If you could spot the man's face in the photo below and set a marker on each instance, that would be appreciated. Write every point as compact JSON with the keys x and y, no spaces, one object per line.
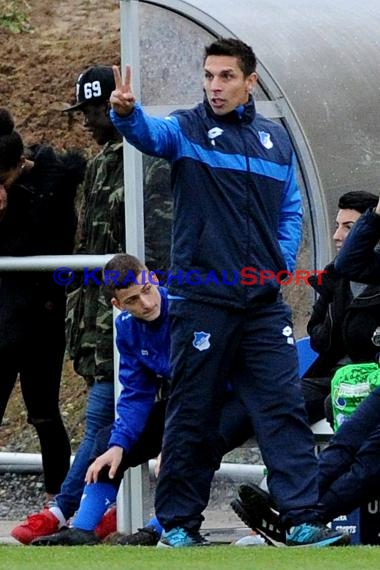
{"x":345,"y":219}
{"x":142,"y":300}
{"x":225,"y":85}
{"x":96,"y":120}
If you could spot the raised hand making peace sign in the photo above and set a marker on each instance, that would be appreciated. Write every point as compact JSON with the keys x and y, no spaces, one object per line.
{"x":122,"y":99}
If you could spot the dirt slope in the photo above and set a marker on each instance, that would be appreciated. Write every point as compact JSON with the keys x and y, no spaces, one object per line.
{"x":38,"y":69}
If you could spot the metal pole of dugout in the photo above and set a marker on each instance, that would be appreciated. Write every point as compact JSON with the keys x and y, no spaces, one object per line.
{"x":130,"y":498}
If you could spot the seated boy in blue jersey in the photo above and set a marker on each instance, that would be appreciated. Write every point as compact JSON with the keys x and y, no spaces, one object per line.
{"x":143,"y":341}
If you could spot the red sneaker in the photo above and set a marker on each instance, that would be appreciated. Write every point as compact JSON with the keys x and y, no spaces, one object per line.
{"x":40,"y":524}
{"x":107,"y":524}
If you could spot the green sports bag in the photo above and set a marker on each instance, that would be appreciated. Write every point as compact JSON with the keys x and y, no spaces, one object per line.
{"x":350,"y":385}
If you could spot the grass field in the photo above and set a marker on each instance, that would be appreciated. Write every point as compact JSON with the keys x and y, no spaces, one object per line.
{"x":212,"y":558}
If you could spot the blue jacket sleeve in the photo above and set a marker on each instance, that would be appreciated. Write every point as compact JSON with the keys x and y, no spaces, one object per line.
{"x":358,"y":259}
{"x":151,"y":135}
{"x":290,"y":223}
{"x":136,"y":399}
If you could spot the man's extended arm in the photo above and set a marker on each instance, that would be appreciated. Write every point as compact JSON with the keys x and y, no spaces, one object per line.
{"x":151,"y":135}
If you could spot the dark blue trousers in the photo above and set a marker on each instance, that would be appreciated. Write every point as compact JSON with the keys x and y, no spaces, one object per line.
{"x":350,"y":465}
{"x":211,"y":344}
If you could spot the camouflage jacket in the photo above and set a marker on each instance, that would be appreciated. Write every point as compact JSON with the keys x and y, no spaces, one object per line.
{"x":158,"y":213}
{"x":89,"y":323}
{"x":102,"y":230}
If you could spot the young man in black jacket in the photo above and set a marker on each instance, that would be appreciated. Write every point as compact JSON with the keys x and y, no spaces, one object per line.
{"x":344,"y":316}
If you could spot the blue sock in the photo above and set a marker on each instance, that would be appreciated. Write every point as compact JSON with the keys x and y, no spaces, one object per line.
{"x":96,"y":499}
{"x":155,"y":524}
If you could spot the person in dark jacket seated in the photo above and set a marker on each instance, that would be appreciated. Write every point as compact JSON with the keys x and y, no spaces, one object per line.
{"x":344,"y":316}
{"x":37,"y":217}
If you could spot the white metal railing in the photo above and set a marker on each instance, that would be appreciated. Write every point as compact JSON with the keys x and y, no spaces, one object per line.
{"x":52,"y":262}
{"x":16,"y":462}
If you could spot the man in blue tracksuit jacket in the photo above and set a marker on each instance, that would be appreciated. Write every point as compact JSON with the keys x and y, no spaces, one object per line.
{"x":237,"y":224}
{"x":143,"y":341}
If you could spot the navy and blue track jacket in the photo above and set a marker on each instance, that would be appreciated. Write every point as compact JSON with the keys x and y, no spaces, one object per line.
{"x":236,"y":199}
{"x":144,"y":349}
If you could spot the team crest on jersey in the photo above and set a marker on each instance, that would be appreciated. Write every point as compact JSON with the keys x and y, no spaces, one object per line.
{"x":265,"y":139}
{"x":201,"y":340}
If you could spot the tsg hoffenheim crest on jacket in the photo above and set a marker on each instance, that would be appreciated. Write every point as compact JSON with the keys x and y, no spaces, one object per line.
{"x":265,"y":139}
{"x":201,"y":340}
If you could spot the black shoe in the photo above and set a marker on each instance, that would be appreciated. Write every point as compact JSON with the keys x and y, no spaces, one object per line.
{"x":146,"y":536}
{"x":68,"y":537}
{"x":256,"y":509}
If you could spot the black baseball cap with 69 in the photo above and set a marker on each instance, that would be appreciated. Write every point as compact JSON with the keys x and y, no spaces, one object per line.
{"x":93,"y":86}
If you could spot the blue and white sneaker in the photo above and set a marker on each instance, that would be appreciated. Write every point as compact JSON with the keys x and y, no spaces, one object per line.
{"x":315,"y":534}
{"x":179,"y":537}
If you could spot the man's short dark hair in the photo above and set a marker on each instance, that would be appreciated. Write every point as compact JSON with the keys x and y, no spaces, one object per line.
{"x":121,"y":272}
{"x":358,"y":200}
{"x":235,"y":48}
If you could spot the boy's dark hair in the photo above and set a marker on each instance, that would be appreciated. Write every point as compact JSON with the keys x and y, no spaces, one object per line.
{"x":358,"y":200}
{"x":235,"y":48}
{"x":11,"y":145}
{"x":121,"y":272}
